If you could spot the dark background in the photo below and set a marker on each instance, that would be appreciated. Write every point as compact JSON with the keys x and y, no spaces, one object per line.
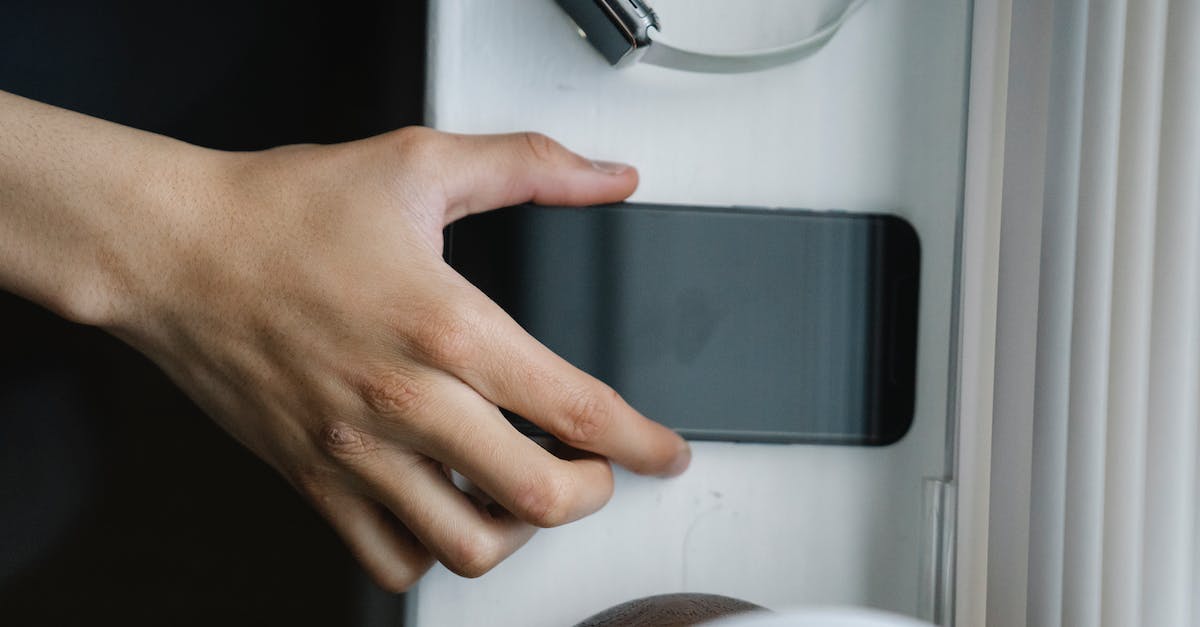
{"x":120,"y":503}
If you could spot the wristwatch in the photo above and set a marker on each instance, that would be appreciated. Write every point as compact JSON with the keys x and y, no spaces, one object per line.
{"x":626,"y":32}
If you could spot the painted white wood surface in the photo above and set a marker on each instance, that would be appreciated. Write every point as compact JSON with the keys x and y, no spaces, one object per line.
{"x":874,"y":122}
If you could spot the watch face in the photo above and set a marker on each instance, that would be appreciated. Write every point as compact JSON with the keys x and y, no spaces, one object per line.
{"x":618,"y":29}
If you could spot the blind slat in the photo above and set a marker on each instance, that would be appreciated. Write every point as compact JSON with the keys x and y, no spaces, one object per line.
{"x":1168,"y":584}
{"x":1053,"y":367}
{"x":1124,"y":483}
{"x":1083,"y":541}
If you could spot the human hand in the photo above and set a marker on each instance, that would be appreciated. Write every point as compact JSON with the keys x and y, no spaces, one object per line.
{"x":299,"y":296}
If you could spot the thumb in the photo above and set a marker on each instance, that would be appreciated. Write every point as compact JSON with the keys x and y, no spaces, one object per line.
{"x":490,"y":171}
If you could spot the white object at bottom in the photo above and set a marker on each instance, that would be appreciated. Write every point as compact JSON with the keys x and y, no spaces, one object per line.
{"x":821,"y":617}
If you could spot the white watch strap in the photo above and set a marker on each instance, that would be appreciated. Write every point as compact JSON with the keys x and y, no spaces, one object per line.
{"x":668,"y":56}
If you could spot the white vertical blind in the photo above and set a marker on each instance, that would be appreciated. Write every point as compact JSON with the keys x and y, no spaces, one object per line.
{"x":1132,"y":291}
{"x":1170,"y":583}
{"x":1059,"y":222}
{"x":1089,"y":346}
{"x":1107,"y":512}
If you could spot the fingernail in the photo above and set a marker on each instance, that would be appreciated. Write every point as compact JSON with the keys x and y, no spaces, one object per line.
{"x":610,"y":167}
{"x":682,"y":459}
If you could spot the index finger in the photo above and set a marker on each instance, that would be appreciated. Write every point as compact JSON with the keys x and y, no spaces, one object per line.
{"x":510,"y":368}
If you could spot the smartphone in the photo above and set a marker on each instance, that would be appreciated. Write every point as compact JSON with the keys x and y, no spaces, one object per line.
{"x":741,"y":324}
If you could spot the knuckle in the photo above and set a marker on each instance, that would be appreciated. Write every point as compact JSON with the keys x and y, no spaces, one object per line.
{"x":589,"y":414}
{"x":345,"y":442}
{"x":414,"y":139}
{"x":395,"y":583}
{"x":544,"y":501}
{"x":419,"y":148}
{"x":400,"y":578}
{"x":539,"y":147}
{"x":473,"y":554}
{"x":449,"y":337}
{"x":394,"y":395}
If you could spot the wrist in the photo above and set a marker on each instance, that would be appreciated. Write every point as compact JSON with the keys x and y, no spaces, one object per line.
{"x":86,"y":206}
{"x":129,"y":228}
{"x":153,"y":223}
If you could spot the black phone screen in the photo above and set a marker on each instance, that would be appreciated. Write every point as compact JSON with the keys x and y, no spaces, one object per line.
{"x":729,"y":324}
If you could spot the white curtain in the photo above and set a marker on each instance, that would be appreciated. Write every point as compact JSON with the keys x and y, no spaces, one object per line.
{"x":1095,"y":486}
